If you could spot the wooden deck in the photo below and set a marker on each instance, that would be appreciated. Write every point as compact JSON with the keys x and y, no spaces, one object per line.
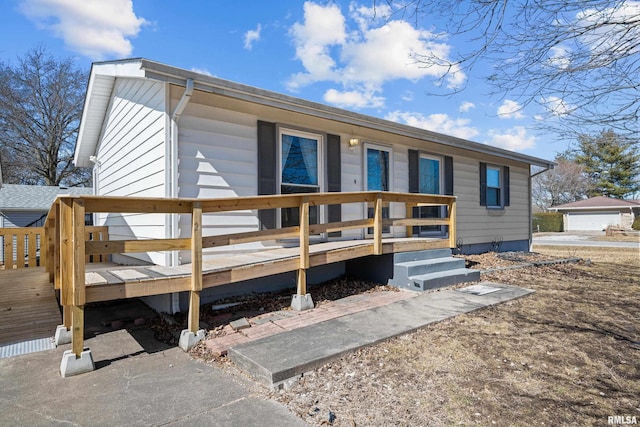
{"x":28,"y":305}
{"x":106,"y":282}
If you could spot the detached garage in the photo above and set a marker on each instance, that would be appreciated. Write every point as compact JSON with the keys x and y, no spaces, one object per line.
{"x":598,"y":213}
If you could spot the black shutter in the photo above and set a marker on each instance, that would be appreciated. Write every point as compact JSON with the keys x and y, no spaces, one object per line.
{"x":267,"y":170}
{"x":483,"y":184}
{"x":414,"y":171}
{"x":414,"y":182}
{"x":448,"y":176}
{"x":506,"y":186}
{"x":334,"y":178}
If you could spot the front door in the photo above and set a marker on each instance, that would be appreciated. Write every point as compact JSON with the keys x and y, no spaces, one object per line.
{"x":430,"y":181}
{"x":378,"y":164}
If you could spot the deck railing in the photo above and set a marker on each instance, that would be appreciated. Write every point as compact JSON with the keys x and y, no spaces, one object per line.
{"x":23,"y":247}
{"x":68,"y":249}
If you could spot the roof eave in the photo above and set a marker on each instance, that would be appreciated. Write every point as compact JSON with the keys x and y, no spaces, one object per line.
{"x":93,"y":112}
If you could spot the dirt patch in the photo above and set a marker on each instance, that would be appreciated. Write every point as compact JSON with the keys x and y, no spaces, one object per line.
{"x":567,"y":355}
{"x":215,"y":316}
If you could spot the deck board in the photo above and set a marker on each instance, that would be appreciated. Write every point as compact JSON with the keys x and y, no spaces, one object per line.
{"x":29,"y":310}
{"x":28,"y":305}
{"x":109,"y":281}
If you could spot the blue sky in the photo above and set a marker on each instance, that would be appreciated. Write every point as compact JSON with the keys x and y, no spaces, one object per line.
{"x":340,"y":53}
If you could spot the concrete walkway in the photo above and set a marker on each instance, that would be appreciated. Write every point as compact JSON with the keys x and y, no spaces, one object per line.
{"x":283,"y":357}
{"x":140,"y":381}
{"x":133,"y":385}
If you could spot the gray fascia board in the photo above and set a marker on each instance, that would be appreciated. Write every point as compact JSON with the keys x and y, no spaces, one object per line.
{"x":178,"y":76}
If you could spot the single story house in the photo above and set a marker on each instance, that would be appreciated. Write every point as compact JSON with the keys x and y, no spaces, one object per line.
{"x":598,"y":213}
{"x":153,"y":130}
{"x":28,"y":205}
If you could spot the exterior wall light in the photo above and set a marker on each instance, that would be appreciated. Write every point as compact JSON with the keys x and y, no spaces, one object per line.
{"x":354,"y":142}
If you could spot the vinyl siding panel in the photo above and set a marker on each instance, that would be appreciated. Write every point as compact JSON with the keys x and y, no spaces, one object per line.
{"x":477,"y":224}
{"x":132,"y":159}
{"x":217,"y":158}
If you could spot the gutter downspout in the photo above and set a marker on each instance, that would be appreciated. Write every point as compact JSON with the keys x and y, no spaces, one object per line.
{"x":173,"y":179}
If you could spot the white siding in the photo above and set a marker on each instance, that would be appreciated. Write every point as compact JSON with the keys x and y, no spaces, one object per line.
{"x":477,"y":224}
{"x":352,"y":180}
{"x":132,"y":159}
{"x":217,"y":158}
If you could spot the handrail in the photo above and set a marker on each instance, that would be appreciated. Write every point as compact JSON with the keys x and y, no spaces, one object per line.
{"x":68,"y":249}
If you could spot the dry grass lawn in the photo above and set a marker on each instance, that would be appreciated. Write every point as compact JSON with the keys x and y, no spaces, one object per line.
{"x":567,"y":355}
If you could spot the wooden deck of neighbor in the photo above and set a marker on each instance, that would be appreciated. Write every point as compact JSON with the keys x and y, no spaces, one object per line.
{"x":28,"y":305}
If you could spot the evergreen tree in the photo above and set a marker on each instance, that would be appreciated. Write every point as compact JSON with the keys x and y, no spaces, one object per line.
{"x":612,"y":163}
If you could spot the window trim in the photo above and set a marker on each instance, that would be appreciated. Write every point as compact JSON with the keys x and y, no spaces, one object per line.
{"x":318,"y":136}
{"x":500,"y":187}
{"x":365,"y":179}
{"x":504,"y":188}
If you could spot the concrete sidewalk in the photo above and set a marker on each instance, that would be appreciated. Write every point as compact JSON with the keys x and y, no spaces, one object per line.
{"x":140,"y":381}
{"x":131,"y":386}
{"x":316,"y":337}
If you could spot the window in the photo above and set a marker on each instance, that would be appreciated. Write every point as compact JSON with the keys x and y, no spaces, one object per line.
{"x":494,"y":190}
{"x":378,"y":174}
{"x":494,"y":186}
{"x":300,"y":171}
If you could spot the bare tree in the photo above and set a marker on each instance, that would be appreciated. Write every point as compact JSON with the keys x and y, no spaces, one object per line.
{"x":41,"y":101}
{"x":579,"y":59}
{"x":567,"y":182}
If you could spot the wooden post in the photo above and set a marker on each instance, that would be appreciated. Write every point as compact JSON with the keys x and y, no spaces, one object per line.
{"x":452,"y":223}
{"x":8,"y":251}
{"x":32,"y":247}
{"x":19,"y":249}
{"x":196,"y":267}
{"x":77,"y":331}
{"x":78,"y":276}
{"x":56,"y":250}
{"x":304,"y":246}
{"x":409,"y":215}
{"x":377,"y":225}
{"x":64,"y":259}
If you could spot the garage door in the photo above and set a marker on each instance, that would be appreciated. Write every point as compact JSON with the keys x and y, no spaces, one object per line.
{"x":591,"y":220}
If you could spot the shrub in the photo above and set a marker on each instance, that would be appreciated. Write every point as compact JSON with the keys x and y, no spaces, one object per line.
{"x":547,"y":221}
{"x":636,"y":223}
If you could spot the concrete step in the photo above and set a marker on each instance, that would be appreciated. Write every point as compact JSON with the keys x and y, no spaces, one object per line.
{"x":421,"y":255}
{"x":415,"y":268}
{"x":439,"y":279}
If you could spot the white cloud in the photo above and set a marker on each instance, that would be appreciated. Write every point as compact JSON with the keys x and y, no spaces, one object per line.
{"x":441,"y":123}
{"x":606,"y":30}
{"x":95,"y":28}
{"x":323,"y":27}
{"x":202,"y":71}
{"x":559,"y":57}
{"x":466,"y":106}
{"x":407,"y":96}
{"x":514,"y":139}
{"x":353,"y":99}
{"x":252,"y":36}
{"x":510,"y":110}
{"x":365,"y":57}
{"x":557,"y":106}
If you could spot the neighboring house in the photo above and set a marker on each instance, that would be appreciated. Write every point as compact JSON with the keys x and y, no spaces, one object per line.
{"x":152,"y":130}
{"x":28,"y":205}
{"x":598,"y":213}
